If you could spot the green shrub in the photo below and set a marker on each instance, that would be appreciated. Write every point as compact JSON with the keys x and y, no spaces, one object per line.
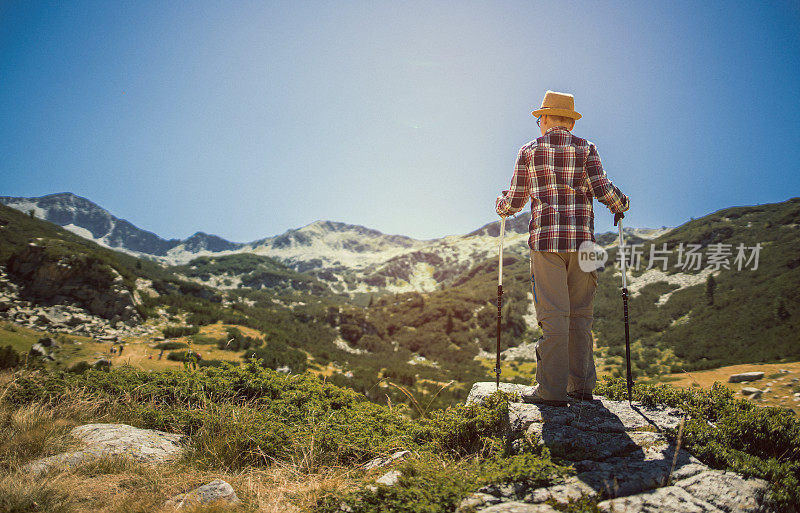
{"x":215,"y":363}
{"x":432,"y":484}
{"x":79,"y":367}
{"x":276,"y":355}
{"x":466,"y":429}
{"x":204,"y":340}
{"x":168,"y":346}
{"x":180,"y":331}
{"x":9,"y":357}
{"x":184,"y":356}
{"x":235,"y":340}
{"x":425,"y":486}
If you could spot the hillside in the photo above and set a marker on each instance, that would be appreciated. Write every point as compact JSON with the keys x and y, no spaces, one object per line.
{"x":680,"y":322}
{"x":426,"y":340}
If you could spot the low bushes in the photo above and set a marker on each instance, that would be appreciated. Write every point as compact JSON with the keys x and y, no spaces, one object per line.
{"x":180,"y":331}
{"x":169,"y":346}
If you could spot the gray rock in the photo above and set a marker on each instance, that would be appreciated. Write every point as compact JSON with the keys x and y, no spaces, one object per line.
{"x":102,"y":364}
{"x":217,"y":492}
{"x":385,"y":460}
{"x":622,"y":476}
{"x":751,"y":392}
{"x":390,"y":478}
{"x":727,"y":490}
{"x":102,"y":440}
{"x":571,"y":489}
{"x":579,"y":444}
{"x":39,"y":351}
{"x":481,"y":390}
{"x":518,"y":507}
{"x":745,"y":376}
{"x":476,"y":501}
{"x":671,"y":499}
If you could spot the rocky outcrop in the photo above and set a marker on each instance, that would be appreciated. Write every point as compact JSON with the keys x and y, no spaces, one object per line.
{"x":382,"y":461}
{"x":745,"y":377}
{"x":217,"y":492}
{"x":625,"y":457}
{"x":103,"y":440}
{"x":48,"y":277}
{"x":44,"y":349}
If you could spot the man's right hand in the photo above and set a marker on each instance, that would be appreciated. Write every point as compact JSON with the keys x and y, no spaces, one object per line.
{"x":617,"y":217}
{"x":501,"y":206}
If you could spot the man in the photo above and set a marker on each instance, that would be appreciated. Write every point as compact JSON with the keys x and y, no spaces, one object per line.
{"x":561,"y":174}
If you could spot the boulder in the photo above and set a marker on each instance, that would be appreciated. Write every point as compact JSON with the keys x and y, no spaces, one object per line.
{"x":745,"y":377}
{"x":103,"y":440}
{"x":383,"y":461}
{"x":751,"y":392}
{"x":102,"y":364}
{"x":217,"y":492}
{"x":390,"y":478}
{"x":43,"y":349}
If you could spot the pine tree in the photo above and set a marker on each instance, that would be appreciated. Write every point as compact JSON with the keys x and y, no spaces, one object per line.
{"x":780,"y":310}
{"x":711,"y":284}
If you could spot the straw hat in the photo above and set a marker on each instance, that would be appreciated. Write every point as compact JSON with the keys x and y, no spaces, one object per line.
{"x":557,"y":104}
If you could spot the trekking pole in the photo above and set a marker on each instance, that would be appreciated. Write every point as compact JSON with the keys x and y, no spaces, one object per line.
{"x":499,"y":300}
{"x":618,"y":219}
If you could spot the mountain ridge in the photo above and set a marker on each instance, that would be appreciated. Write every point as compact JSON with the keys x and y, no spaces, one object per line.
{"x":350,"y":258}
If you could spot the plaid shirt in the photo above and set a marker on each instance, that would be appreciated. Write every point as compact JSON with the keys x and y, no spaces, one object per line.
{"x":561,"y":174}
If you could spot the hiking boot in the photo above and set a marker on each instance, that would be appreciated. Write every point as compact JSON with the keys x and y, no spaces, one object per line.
{"x":533,"y":397}
{"x":581,"y":396}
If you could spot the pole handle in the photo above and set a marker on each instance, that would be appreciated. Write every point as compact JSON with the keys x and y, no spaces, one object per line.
{"x":622,"y":256}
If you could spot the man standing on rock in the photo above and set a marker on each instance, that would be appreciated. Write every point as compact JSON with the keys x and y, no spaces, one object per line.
{"x":561,"y":174}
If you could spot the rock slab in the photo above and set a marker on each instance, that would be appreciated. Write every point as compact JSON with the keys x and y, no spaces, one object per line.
{"x":103,"y":440}
{"x":623,"y":454}
{"x":745,"y":377}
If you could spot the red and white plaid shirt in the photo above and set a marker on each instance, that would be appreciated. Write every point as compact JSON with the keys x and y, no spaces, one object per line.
{"x":561,"y":174}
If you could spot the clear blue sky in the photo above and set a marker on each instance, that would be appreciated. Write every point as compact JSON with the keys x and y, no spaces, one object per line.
{"x":245,"y":119}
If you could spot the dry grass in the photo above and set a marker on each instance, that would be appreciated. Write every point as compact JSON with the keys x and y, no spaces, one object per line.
{"x":122,"y":485}
{"x":781,"y":392}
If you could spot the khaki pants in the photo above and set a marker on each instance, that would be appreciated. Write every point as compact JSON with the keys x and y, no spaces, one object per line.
{"x":564,"y":298}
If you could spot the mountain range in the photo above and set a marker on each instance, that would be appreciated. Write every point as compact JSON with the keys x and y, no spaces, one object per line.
{"x":349,"y":258}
